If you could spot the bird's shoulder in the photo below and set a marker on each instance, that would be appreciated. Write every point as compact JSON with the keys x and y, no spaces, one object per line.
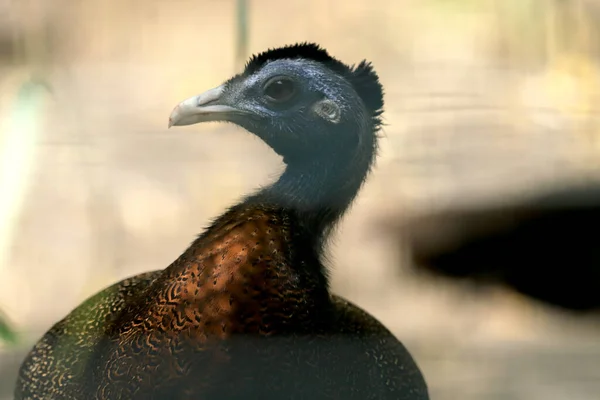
{"x":382,"y":360}
{"x":62,"y":353}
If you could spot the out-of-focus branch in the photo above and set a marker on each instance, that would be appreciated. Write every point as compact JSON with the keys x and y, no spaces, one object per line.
{"x":6,"y":332}
{"x":28,"y":56}
{"x":241,"y":46}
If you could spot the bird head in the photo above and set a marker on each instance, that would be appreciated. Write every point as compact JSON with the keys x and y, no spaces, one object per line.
{"x":297,"y":99}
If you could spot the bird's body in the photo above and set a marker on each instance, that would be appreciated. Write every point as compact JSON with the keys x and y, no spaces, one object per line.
{"x":245,"y":311}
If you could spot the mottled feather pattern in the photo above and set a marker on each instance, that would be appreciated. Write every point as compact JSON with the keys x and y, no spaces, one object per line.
{"x":53,"y":367}
{"x":234,"y":283}
{"x":235,"y":280}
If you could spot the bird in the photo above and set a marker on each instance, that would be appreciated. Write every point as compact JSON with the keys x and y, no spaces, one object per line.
{"x":246,"y":310}
{"x":539,"y":246}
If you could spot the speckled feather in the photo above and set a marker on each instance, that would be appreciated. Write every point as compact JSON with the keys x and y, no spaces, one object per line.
{"x":234,"y":283}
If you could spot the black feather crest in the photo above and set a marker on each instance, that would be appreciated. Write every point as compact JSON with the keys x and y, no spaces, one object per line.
{"x":362,"y":77}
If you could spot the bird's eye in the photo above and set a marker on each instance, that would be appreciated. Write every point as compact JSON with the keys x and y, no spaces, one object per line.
{"x":280,"y":89}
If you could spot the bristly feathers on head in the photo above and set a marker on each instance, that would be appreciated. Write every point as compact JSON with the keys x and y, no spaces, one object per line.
{"x":362,"y":77}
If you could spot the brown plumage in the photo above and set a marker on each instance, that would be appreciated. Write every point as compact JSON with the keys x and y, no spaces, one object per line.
{"x":245,"y":311}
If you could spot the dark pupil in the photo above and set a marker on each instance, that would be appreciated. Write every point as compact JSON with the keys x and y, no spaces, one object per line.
{"x":280,"y":89}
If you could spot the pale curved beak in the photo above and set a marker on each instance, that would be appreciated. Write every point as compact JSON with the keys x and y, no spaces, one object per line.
{"x":202,"y":108}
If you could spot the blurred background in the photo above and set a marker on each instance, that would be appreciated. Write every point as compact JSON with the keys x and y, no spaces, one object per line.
{"x":486,"y":100}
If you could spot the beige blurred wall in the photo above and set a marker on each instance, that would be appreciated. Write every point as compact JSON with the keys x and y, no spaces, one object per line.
{"x":485,"y":99}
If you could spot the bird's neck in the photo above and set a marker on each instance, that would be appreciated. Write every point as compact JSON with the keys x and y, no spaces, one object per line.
{"x":321,"y":189}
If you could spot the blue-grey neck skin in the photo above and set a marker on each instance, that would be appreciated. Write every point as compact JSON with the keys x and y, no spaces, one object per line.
{"x":326,"y":162}
{"x":323,"y":187}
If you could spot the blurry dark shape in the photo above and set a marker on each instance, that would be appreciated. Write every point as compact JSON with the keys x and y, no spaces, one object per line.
{"x":8,"y":29}
{"x":245,"y":311}
{"x":8,"y":47}
{"x":545,"y":247}
{"x":28,"y":33}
